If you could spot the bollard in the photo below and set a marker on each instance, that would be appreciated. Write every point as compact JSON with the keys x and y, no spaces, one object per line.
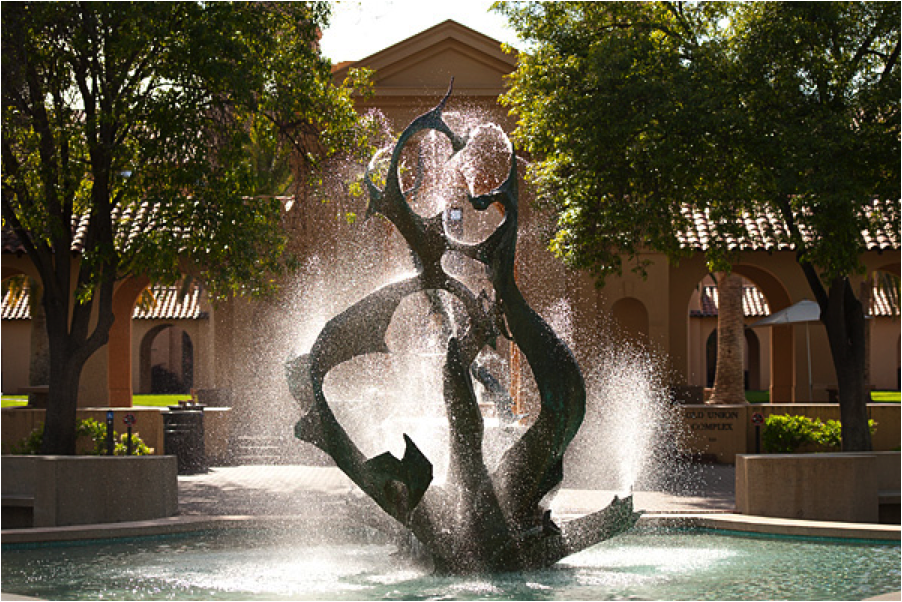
{"x":129,"y":420}
{"x":757,"y":420}
{"x":109,"y":433}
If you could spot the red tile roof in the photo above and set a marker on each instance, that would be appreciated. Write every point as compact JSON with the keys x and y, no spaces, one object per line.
{"x":169,"y":305}
{"x":16,"y":308}
{"x":883,"y":304}
{"x":129,"y":222}
{"x":766,"y":232}
{"x":754,"y":305}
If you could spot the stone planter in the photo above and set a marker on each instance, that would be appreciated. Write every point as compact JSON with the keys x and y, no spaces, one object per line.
{"x":848,"y":487}
{"x":51,"y":491}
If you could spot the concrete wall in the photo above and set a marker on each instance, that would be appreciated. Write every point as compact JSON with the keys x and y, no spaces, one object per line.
{"x":80,"y":490}
{"x":720,"y":432}
{"x":826,"y":487}
{"x":18,"y":423}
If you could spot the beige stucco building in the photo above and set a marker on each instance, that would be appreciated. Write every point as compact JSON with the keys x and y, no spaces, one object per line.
{"x":237,"y":349}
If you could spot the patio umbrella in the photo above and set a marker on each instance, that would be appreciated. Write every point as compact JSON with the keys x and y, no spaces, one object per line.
{"x":804,"y":312}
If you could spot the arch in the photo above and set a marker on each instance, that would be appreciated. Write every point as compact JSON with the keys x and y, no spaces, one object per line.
{"x":169,"y":370}
{"x":119,"y":348}
{"x":751,"y":359}
{"x":893,"y":267}
{"x":19,"y":337}
{"x":710,"y":358}
{"x":782,"y":343}
{"x":632,"y":315}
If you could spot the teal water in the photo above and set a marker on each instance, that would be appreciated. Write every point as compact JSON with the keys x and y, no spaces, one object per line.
{"x":641,"y":565}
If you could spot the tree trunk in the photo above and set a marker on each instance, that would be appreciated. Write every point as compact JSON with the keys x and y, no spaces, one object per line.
{"x":843,"y":315}
{"x":62,"y":403}
{"x":71,"y":342}
{"x":729,"y":379}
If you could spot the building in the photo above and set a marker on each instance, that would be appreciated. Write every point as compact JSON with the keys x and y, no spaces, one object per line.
{"x":237,"y":350}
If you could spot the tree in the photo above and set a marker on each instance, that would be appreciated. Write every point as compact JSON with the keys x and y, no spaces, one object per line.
{"x":729,"y":379}
{"x":131,"y":120}
{"x":636,"y":110}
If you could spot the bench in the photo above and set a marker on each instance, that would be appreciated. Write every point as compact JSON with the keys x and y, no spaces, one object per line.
{"x":18,"y":511}
{"x":20,"y":501}
{"x":889,"y":508}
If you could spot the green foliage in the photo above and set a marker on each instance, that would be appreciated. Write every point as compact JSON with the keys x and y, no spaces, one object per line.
{"x":170,"y":124}
{"x":787,"y":434}
{"x":169,"y":115}
{"x":31,"y":444}
{"x":634,"y":110}
{"x":92,"y":429}
{"x":641,"y":115}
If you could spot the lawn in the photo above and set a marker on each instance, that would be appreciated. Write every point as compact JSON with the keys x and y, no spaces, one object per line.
{"x":11,"y":401}
{"x":876,"y":396}
{"x":886,"y":396}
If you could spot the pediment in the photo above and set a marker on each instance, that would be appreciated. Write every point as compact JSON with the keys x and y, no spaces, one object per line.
{"x":425,"y":63}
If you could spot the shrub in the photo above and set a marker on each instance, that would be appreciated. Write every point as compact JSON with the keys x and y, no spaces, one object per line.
{"x":31,"y":445}
{"x":787,"y":434}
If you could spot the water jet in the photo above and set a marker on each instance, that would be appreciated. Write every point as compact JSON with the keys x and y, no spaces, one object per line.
{"x":477,"y":520}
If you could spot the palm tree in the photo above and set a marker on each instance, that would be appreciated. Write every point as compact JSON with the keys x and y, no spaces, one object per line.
{"x":729,"y":378}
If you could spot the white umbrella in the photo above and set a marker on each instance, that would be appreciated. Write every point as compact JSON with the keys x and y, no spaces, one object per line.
{"x":803,"y":312}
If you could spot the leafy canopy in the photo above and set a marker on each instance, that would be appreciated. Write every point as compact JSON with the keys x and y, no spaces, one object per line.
{"x":635,"y":110}
{"x":165,"y":121}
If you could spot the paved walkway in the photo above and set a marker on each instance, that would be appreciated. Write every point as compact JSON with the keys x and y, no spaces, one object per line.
{"x":304,"y":490}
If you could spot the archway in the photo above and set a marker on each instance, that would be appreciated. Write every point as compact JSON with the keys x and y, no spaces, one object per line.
{"x":25,"y":360}
{"x":751,"y":359}
{"x":766,"y":296}
{"x":782,"y":342}
{"x":119,"y":348}
{"x":882,"y":294}
{"x":632,"y":316}
{"x":166,"y":360}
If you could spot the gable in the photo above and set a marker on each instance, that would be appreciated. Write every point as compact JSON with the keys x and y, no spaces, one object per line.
{"x":425,"y":63}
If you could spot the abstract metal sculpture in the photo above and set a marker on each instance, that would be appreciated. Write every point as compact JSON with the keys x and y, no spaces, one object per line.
{"x":477,"y":521}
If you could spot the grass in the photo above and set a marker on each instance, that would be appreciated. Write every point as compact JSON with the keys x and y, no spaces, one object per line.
{"x":12,"y":401}
{"x":876,"y":396}
{"x":886,"y":396}
{"x":159,"y":400}
{"x":757,"y":396}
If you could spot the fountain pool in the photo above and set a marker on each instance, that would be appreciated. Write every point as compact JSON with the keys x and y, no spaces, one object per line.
{"x":361,"y":564}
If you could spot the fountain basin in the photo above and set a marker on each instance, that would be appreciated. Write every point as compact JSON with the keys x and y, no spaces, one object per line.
{"x":359,"y":563}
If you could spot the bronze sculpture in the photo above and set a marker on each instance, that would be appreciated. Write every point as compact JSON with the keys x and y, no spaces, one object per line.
{"x":477,"y":521}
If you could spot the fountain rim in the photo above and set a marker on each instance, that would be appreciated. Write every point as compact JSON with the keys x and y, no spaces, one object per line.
{"x":723,"y":522}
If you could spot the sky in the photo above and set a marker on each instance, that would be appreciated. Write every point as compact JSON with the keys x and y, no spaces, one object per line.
{"x":359,"y":29}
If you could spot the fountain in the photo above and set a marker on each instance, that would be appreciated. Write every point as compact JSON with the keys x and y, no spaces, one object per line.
{"x":416,"y":353}
{"x":477,"y":520}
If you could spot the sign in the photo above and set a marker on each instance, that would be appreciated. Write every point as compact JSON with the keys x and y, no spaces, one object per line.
{"x":129,"y":419}
{"x":757,"y":418}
